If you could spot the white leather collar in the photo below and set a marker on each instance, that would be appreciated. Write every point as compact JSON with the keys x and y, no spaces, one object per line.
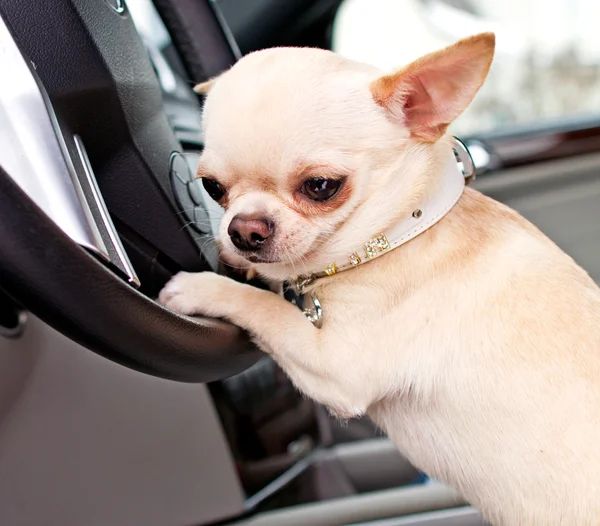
{"x":423,"y":217}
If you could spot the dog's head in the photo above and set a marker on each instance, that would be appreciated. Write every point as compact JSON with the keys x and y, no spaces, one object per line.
{"x":311,"y":153}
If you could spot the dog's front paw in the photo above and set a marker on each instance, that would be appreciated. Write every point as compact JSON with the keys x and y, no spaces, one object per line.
{"x":196,"y":293}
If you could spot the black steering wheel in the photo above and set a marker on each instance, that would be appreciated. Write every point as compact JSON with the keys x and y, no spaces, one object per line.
{"x":93,"y":182}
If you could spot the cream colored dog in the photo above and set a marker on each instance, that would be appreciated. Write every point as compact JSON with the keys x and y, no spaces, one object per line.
{"x":475,"y":346}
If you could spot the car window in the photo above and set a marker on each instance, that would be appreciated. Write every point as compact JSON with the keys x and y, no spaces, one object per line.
{"x":547,"y":63}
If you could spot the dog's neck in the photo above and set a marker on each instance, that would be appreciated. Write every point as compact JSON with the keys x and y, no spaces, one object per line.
{"x":426,"y":214}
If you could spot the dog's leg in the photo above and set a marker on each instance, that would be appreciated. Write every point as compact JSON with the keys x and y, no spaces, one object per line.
{"x":271,"y":320}
{"x":279,"y":328}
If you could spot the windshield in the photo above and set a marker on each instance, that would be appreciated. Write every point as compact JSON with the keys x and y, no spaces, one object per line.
{"x":547,"y":63}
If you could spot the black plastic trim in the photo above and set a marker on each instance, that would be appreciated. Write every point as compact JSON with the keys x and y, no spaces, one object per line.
{"x":201,"y":36}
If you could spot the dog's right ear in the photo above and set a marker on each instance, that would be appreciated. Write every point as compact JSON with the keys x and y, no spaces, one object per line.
{"x":204,"y":87}
{"x":427,"y":95}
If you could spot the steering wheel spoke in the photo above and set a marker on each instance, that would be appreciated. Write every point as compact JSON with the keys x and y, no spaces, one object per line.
{"x":33,"y":153}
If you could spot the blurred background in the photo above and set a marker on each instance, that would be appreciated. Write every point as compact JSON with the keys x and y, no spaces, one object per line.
{"x":547,"y":63}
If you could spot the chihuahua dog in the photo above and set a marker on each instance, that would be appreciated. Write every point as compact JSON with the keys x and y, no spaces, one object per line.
{"x":469,"y":337}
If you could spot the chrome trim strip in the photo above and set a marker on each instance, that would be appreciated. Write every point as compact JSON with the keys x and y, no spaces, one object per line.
{"x":103,"y":211}
{"x":32,"y":153}
{"x":226,"y":30}
{"x":117,"y":5}
{"x":15,"y":332}
{"x":166,"y":77}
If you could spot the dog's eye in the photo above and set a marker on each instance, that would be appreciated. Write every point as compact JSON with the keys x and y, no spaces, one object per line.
{"x":321,"y":189}
{"x":214,"y":189}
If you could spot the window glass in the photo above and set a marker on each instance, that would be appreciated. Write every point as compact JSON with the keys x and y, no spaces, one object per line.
{"x":547,"y":63}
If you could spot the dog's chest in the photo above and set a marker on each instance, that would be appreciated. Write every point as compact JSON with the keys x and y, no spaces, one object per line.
{"x":423,"y":436}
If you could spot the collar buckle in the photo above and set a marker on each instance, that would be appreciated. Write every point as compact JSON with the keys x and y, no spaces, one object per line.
{"x":463,"y":156}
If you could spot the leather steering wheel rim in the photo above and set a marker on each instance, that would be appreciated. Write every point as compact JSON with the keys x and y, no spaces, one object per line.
{"x":161,"y":343}
{"x":60,"y":282}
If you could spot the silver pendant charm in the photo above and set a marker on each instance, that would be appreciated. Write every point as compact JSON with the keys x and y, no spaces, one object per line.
{"x":313,"y":313}
{"x":307,"y":303}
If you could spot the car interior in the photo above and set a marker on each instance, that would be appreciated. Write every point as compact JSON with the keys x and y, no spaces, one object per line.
{"x":114,"y":410}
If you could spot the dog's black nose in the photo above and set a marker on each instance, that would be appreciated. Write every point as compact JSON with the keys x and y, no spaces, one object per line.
{"x":249,"y":233}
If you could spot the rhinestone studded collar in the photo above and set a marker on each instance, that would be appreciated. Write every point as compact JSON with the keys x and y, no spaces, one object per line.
{"x":460,"y":171}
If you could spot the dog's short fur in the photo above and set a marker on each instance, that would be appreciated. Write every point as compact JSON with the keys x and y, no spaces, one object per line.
{"x":475,"y":346}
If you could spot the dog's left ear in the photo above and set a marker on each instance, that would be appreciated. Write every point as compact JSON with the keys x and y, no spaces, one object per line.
{"x":427,"y":95}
